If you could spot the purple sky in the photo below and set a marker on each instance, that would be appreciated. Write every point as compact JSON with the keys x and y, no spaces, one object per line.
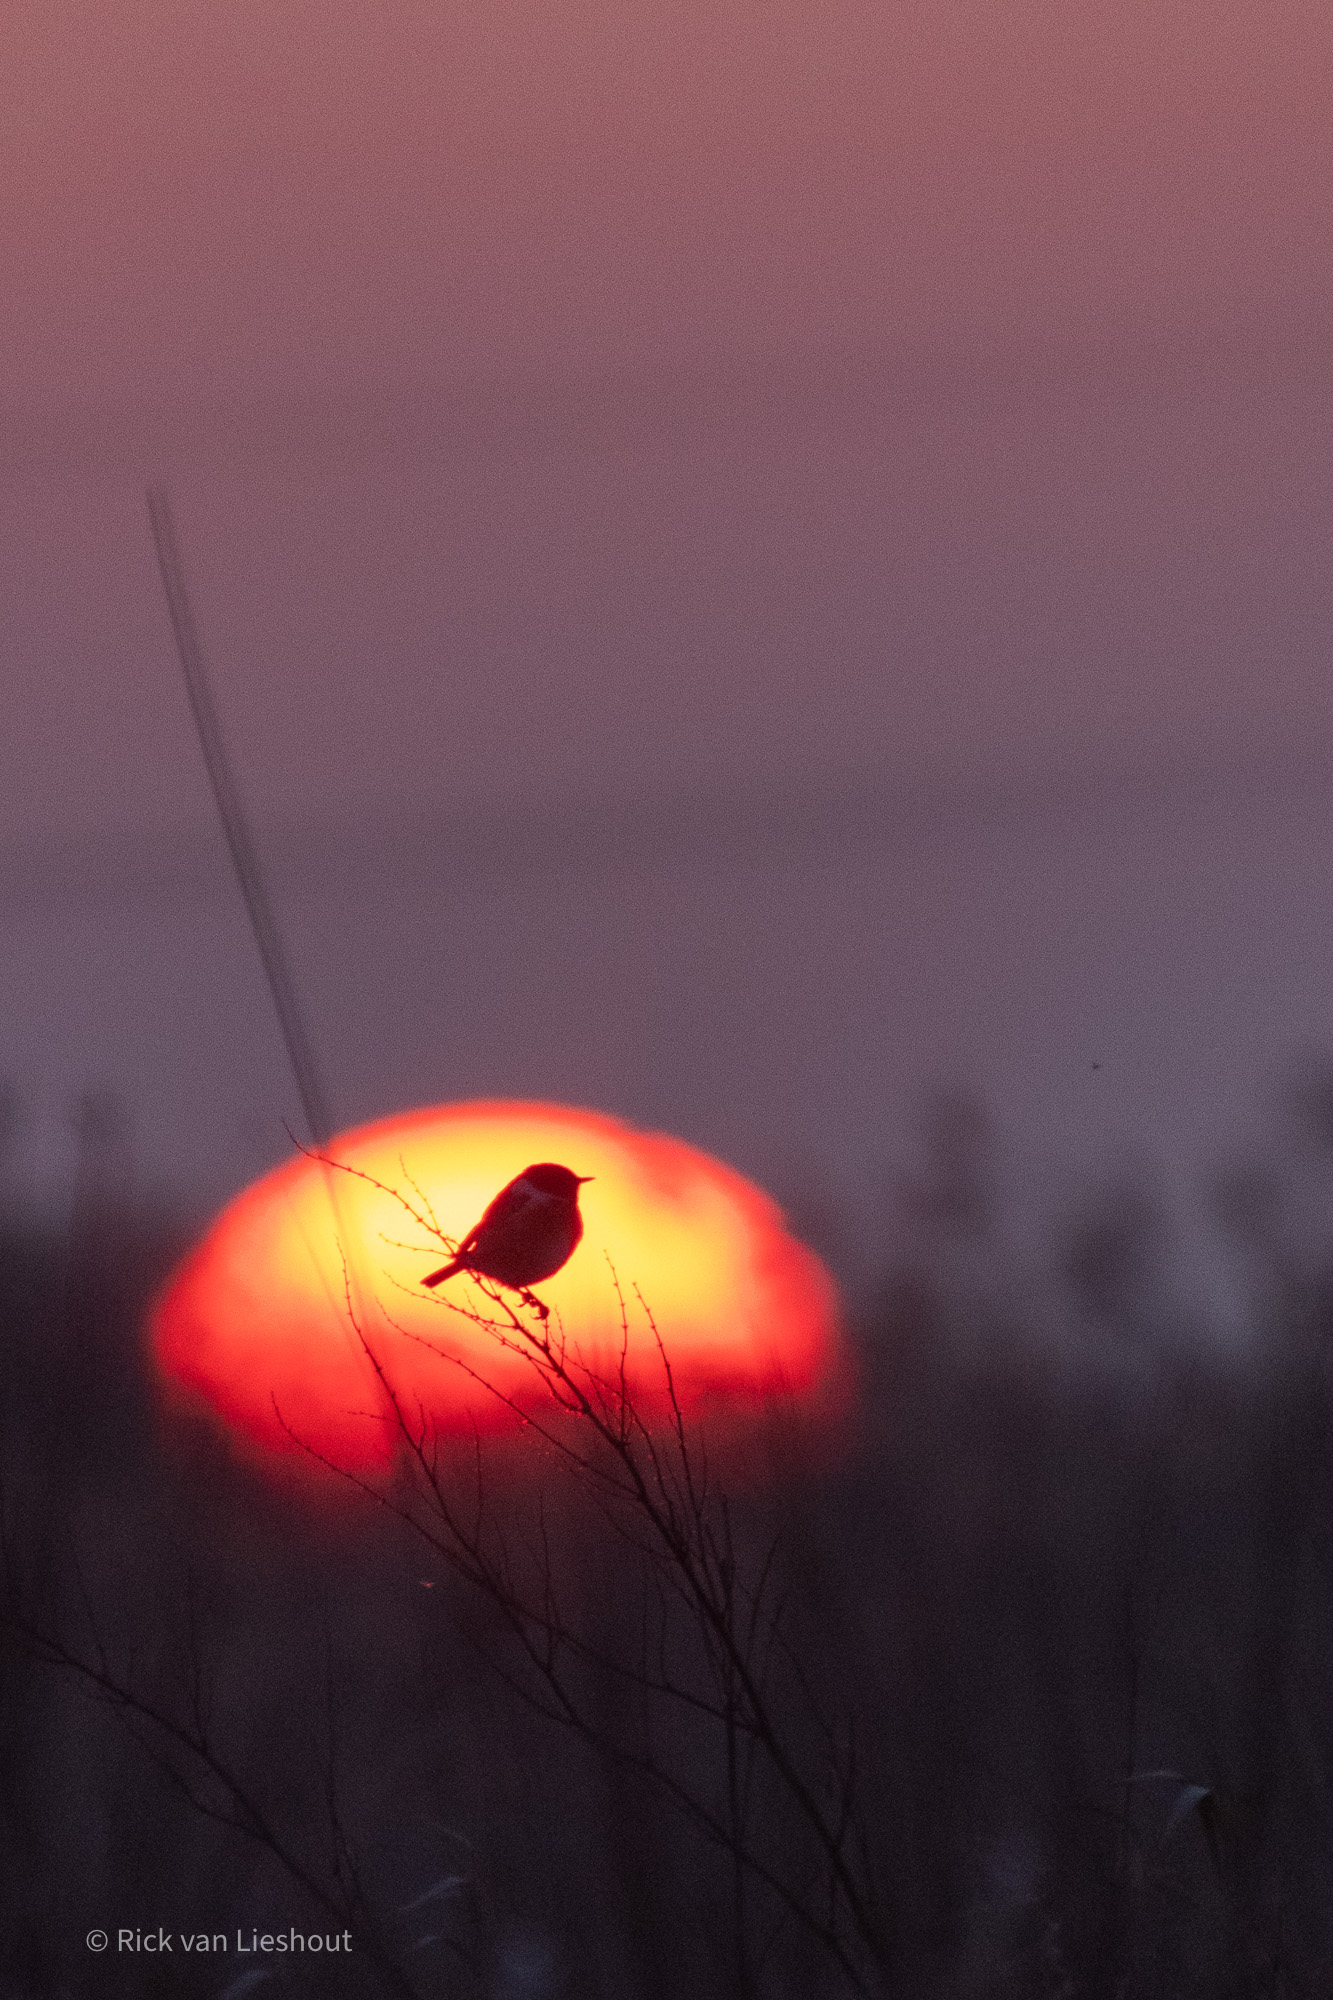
{"x":600,"y":416}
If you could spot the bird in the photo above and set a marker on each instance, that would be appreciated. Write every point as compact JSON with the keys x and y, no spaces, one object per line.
{"x":529,"y":1232}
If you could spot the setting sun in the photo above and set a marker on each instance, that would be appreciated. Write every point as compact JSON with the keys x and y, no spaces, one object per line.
{"x":262,"y":1317}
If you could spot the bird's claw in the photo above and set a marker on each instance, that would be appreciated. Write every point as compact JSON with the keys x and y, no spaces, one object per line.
{"x":530,"y":1299}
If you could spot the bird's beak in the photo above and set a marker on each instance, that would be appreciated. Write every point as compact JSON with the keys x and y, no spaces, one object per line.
{"x":583,"y":1179}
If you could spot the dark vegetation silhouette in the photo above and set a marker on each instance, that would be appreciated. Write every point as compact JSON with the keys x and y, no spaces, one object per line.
{"x":1021,"y":1690}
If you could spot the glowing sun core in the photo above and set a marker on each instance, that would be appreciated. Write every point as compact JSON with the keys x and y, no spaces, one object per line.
{"x":257,"y":1317}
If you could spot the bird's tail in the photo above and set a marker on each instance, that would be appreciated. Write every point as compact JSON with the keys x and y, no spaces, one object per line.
{"x":445,"y":1271}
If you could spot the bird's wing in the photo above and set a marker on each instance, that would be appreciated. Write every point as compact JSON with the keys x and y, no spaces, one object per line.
{"x":508,"y":1204}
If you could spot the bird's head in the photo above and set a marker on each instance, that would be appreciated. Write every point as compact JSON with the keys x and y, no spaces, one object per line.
{"x":552,"y":1179}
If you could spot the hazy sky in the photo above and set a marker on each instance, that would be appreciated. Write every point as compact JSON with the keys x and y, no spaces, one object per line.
{"x":576,"y":409}
{"x":243,"y":198}
{"x":772,"y":384}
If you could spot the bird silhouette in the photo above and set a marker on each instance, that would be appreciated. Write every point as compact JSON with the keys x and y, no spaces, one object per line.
{"x":529,"y":1232}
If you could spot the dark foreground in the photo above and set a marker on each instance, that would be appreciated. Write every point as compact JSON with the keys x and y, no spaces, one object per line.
{"x":1025,"y":1689}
